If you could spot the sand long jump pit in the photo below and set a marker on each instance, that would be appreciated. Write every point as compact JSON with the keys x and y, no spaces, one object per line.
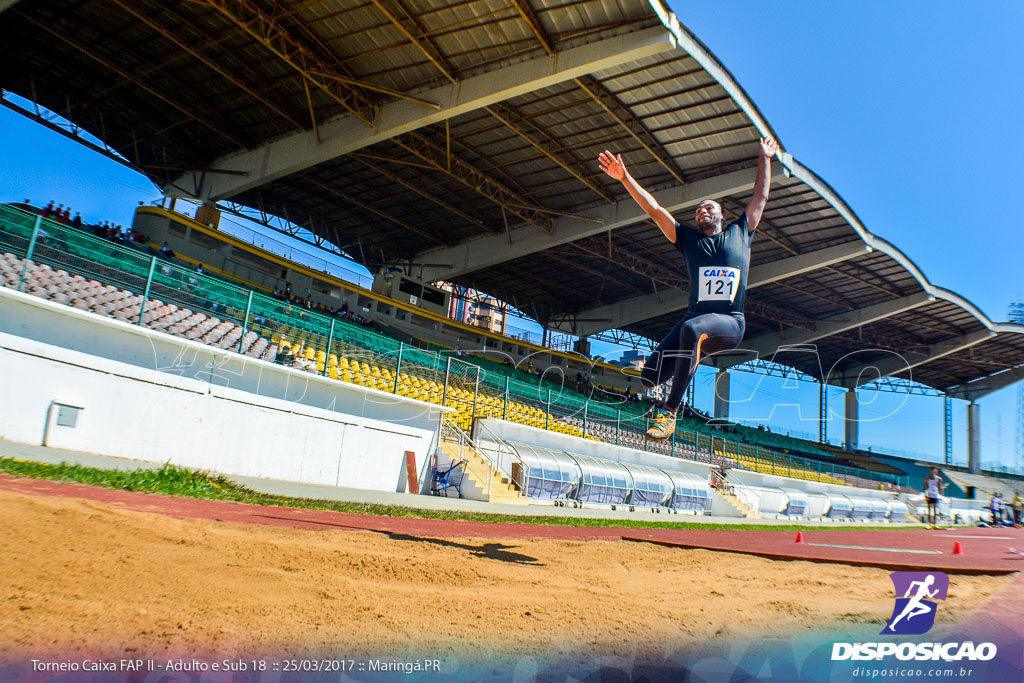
{"x":85,"y":579}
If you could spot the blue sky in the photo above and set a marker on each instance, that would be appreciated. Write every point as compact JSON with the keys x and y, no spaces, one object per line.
{"x":905,"y":108}
{"x":910,"y":111}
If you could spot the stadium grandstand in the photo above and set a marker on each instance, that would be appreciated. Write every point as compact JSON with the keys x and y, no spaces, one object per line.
{"x":452,"y":144}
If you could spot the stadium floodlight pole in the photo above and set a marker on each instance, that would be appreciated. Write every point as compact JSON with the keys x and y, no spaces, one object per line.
{"x":398,"y":366}
{"x":822,"y":412}
{"x":330,"y":345}
{"x":145,"y":294}
{"x":31,"y":250}
{"x":245,"y":321}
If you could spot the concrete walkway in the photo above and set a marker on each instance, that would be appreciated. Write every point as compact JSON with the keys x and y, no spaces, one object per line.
{"x":42,"y":454}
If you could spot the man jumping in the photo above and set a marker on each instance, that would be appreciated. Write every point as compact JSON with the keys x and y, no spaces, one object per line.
{"x":718,"y":261}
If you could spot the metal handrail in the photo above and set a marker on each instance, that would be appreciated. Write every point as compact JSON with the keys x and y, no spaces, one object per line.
{"x":454,"y":433}
{"x":504,"y":447}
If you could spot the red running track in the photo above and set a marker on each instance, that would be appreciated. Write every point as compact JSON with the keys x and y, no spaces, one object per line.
{"x":985,"y":551}
{"x":998,"y":620}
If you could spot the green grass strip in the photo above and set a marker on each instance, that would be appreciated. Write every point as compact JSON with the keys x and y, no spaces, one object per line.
{"x":172,"y":480}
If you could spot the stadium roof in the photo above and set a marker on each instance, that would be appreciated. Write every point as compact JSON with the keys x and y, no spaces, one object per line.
{"x":458,"y":140}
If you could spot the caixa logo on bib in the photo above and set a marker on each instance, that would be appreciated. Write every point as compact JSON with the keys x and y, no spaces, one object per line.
{"x":914,"y":613}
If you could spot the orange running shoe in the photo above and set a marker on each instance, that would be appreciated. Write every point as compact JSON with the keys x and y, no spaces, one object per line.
{"x":663,"y":427}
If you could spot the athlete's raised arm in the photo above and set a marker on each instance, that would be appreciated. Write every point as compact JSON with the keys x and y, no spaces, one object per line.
{"x":755,"y":207}
{"x":613,"y":166}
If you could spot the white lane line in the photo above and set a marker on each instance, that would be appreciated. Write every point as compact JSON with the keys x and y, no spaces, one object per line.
{"x":1002,"y":538}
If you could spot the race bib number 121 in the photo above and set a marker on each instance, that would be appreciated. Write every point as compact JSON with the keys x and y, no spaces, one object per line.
{"x":718,"y":283}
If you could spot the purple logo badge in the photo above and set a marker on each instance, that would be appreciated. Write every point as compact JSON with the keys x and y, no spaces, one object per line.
{"x":914,"y":613}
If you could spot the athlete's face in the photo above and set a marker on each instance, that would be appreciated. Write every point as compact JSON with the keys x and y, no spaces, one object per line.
{"x":709,"y":216}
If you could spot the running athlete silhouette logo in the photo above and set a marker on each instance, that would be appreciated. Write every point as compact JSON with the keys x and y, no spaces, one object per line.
{"x":914,"y":613}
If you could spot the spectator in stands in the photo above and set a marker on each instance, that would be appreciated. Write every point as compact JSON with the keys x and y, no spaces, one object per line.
{"x":344,"y":307}
{"x":166,"y":251}
{"x":65,"y":218}
{"x":579,"y":382}
{"x":933,"y":487}
{"x":77,"y":222}
{"x":288,"y":289}
{"x":276,"y":294}
{"x":193,"y":280}
{"x":284,"y":355}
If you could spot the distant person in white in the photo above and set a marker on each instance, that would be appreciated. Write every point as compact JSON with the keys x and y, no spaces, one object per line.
{"x":933,"y":487}
{"x":915,"y":607}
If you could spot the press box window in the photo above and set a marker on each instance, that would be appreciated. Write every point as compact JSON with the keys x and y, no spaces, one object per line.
{"x":410,"y":287}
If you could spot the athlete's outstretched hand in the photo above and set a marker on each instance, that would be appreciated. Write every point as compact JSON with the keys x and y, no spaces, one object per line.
{"x":768,"y":146}
{"x":612,"y":164}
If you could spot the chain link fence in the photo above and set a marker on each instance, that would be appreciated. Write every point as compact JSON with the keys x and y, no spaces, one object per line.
{"x":133,"y":283}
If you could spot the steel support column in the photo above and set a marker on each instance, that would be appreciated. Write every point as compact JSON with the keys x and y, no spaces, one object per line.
{"x":852,"y":423}
{"x":974,"y":437}
{"x":722,"y":394}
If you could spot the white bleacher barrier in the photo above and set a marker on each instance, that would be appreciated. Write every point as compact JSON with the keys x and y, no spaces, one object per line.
{"x":773,"y":501}
{"x":519,"y":433}
{"x":848,"y":502}
{"x":880,"y":509}
{"x":148,"y":396}
{"x":817,"y":505}
{"x":601,"y":472}
{"x":797,"y":504}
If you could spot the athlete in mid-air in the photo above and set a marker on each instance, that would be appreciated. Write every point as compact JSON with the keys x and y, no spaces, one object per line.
{"x":718,"y":261}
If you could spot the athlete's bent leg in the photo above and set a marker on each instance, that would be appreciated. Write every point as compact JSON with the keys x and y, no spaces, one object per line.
{"x":697,"y":335}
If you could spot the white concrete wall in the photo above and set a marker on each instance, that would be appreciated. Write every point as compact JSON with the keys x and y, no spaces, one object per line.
{"x":511,"y":431}
{"x":153,"y":397}
{"x":30,"y":317}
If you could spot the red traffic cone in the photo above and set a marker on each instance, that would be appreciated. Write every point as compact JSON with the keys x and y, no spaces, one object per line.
{"x":957,"y":550}
{"x":799,"y":537}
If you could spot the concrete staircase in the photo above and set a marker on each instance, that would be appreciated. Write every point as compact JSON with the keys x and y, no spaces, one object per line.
{"x":741,"y":509}
{"x":482,"y":482}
